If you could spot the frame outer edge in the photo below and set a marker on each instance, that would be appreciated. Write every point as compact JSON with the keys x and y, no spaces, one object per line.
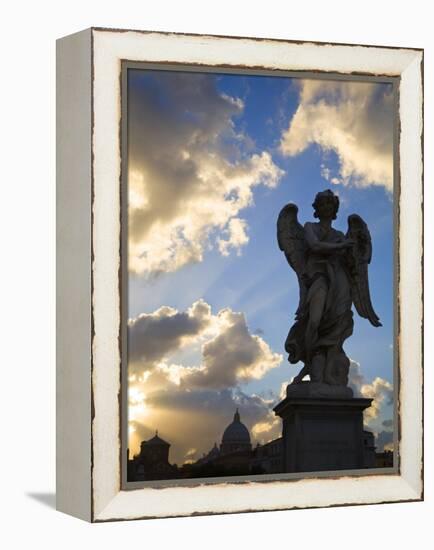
{"x":413,"y":169}
{"x":73,"y":275}
{"x":121,"y":506}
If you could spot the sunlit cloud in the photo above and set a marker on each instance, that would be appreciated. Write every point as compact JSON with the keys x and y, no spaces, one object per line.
{"x":230,"y":353}
{"x":236,"y":237}
{"x":354,"y":120}
{"x":234,"y":355}
{"x":268,"y":429}
{"x":191,"y":172}
{"x":379,"y":390}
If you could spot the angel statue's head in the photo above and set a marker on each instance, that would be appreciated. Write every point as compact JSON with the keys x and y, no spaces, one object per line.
{"x":326,"y":205}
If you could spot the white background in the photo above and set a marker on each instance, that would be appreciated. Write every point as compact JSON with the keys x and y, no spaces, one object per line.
{"x":27,"y":305}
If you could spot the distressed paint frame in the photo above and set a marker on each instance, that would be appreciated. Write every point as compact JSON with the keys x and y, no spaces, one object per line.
{"x":105,"y":499}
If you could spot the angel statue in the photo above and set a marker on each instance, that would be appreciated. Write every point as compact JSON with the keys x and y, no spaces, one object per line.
{"x":332,"y":272}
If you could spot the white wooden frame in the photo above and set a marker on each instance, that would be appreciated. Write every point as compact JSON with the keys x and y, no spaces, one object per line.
{"x":88,"y":262}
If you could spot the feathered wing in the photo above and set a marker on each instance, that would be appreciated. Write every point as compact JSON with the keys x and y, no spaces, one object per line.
{"x":290,"y":236}
{"x":359,"y":257}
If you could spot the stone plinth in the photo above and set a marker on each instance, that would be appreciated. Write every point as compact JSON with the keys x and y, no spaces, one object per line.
{"x":322,"y":434}
{"x":318,"y":389}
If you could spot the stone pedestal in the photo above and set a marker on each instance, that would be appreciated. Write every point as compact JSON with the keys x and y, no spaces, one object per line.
{"x":322,"y":434}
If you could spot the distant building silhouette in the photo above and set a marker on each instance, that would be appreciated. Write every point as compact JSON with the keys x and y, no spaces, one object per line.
{"x":384,"y":459}
{"x":152,"y":462}
{"x":269,"y":457}
{"x":234,"y":456}
{"x":212,"y":455}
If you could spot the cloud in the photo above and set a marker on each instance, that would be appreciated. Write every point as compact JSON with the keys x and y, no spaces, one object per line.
{"x":229,"y":353}
{"x":237,"y":237}
{"x":355,"y":377}
{"x":267,"y":429}
{"x":151,"y":336}
{"x":234,"y":355}
{"x":190,"y":171}
{"x":384,"y":441}
{"x":380,"y":390}
{"x":352,"y":119}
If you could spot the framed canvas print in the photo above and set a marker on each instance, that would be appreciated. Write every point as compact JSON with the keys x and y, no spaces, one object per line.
{"x":239,"y":259}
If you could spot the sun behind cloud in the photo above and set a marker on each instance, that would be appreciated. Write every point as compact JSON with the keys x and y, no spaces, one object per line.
{"x":190,"y":172}
{"x":201,"y":394}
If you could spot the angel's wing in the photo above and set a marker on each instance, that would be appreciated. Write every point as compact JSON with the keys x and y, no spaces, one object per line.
{"x":359,"y":257}
{"x":290,"y":236}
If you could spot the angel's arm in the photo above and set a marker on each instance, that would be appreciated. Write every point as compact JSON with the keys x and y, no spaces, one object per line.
{"x":319,"y":246}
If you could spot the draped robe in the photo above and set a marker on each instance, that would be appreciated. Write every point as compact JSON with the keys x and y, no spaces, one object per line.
{"x":326,"y":270}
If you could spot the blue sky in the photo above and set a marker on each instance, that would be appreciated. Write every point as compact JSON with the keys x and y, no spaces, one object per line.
{"x":278,"y":140}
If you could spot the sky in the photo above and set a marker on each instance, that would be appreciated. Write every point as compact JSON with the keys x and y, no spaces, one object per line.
{"x":212,"y":159}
